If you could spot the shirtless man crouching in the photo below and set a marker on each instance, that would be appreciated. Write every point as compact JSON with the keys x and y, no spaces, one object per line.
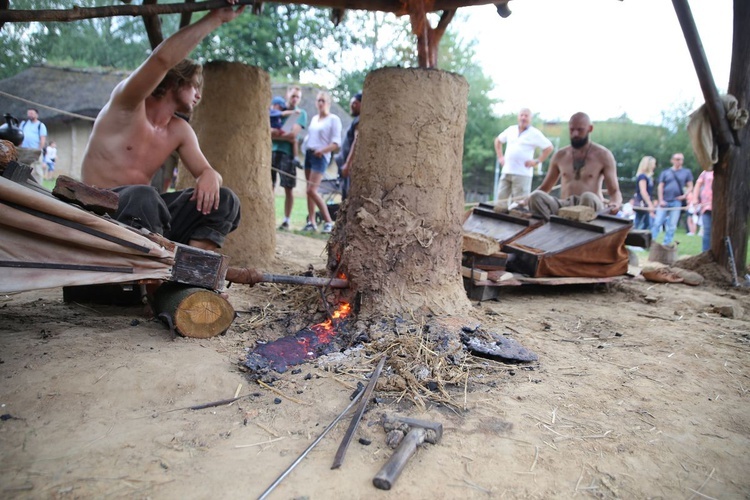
{"x":583,"y":166}
{"x":138,"y":129}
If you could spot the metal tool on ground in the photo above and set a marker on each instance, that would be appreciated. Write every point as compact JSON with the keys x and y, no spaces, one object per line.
{"x":730,"y":259}
{"x":419,"y":431}
{"x":249,"y":276}
{"x":341,"y":452}
{"x":309,"y":448}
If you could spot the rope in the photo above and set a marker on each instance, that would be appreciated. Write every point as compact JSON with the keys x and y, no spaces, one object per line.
{"x":62,"y":111}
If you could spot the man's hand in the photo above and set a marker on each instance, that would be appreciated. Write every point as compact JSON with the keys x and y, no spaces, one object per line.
{"x":276,"y":133}
{"x":319,"y":153}
{"x":206,"y":193}
{"x":227,"y":14}
{"x":501,"y":159}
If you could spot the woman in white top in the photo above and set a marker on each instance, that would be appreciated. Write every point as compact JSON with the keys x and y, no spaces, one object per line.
{"x":323,"y":138}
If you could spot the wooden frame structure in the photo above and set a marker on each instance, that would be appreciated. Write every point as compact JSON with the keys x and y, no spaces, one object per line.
{"x":731,"y":210}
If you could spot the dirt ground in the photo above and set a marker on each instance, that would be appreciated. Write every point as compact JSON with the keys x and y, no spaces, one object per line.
{"x":640,"y":391}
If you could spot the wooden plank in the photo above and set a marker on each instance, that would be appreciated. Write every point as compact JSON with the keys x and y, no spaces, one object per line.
{"x":476,"y":274}
{"x":492,"y":262}
{"x":638,"y":238}
{"x":99,"y":201}
{"x":577,"y":223}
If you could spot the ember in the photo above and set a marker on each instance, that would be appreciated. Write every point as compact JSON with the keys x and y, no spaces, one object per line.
{"x":308,"y":343}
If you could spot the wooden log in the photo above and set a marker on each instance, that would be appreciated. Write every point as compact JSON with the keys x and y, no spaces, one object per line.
{"x":194,"y":312}
{"x":99,"y":201}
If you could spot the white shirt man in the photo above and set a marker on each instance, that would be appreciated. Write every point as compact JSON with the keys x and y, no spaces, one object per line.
{"x":518,"y":162}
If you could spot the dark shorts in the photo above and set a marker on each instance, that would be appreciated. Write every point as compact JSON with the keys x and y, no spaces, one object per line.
{"x":283,"y":166}
{"x":314,"y":163}
{"x":175,"y":216}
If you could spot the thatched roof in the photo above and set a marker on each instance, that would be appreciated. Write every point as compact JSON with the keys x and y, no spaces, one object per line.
{"x":81,"y":91}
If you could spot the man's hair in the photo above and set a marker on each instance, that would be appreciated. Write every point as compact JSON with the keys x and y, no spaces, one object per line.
{"x":34,"y":110}
{"x":186,"y":72}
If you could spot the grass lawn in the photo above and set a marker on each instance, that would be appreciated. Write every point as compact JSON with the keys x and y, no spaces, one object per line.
{"x":298,"y":218}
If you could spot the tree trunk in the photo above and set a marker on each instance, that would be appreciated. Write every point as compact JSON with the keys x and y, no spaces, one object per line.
{"x":232,"y":125}
{"x":399,"y":237}
{"x":731,"y":207}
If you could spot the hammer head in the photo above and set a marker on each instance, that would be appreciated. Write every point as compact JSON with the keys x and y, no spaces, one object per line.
{"x":433,"y":430}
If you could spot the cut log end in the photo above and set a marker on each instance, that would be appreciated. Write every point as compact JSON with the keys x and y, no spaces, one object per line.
{"x":195,"y":312}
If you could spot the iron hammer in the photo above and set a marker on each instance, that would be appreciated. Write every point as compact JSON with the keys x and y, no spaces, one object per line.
{"x":419,"y":432}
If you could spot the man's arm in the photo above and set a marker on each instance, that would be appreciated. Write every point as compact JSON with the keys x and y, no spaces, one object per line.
{"x":207,"y":180}
{"x":545,"y":153}
{"x":660,"y":193}
{"x":350,"y":158}
{"x":610,"y":181}
{"x":499,"y":150}
{"x":291,"y":136}
{"x":553,"y":174}
{"x":142,"y":82}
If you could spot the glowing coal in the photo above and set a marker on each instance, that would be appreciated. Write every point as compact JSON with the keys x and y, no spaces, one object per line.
{"x":307,"y":344}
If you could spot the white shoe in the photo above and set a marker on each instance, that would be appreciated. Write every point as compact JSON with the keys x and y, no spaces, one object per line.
{"x":327,"y":227}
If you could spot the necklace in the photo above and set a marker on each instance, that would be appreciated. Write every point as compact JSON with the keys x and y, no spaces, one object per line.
{"x":578,"y":163}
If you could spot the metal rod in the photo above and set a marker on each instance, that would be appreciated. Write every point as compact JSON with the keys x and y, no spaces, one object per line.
{"x":732,"y":264}
{"x":309,"y":448}
{"x":305,"y":280}
{"x":341,"y":452}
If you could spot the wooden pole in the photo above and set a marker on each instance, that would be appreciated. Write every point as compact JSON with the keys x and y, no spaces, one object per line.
{"x":713,"y":103}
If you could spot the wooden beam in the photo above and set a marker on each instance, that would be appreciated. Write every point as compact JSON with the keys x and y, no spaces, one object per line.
{"x":185,"y":17}
{"x":79,"y":13}
{"x":715,"y":108}
{"x":153,"y":26}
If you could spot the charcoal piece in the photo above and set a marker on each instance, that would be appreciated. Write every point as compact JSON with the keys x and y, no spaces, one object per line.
{"x":494,"y":346}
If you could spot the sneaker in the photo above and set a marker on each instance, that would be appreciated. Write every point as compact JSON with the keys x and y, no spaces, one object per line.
{"x":284,"y":226}
{"x":327,"y":227}
{"x":309,"y":228}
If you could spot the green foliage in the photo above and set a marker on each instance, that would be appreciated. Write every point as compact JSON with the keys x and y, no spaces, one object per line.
{"x":285,"y":41}
{"x":118,"y":42}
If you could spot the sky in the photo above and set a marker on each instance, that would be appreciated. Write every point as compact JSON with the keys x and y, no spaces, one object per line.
{"x":602,"y":57}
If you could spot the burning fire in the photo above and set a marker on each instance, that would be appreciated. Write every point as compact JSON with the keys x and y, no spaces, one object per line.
{"x":308,"y":343}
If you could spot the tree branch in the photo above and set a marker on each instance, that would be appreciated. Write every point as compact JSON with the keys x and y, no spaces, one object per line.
{"x":79,"y":13}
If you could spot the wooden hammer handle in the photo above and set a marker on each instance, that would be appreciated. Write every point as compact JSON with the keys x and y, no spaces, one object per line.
{"x":391,"y":470}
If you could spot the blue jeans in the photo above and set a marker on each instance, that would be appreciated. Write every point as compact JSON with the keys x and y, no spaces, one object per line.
{"x":314,"y":163}
{"x":670,"y":216}
{"x":642,"y":220}
{"x":706,"y":230}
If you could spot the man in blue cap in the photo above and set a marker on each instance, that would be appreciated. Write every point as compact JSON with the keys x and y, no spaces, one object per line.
{"x":284,"y":147}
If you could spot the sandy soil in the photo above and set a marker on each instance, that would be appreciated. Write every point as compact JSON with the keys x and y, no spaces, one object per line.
{"x":640,"y":391}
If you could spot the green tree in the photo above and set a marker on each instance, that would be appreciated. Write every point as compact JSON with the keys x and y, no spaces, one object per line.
{"x":284,"y":40}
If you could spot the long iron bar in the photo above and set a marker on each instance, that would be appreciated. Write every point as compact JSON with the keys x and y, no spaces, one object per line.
{"x":309,"y":448}
{"x":341,"y":452}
